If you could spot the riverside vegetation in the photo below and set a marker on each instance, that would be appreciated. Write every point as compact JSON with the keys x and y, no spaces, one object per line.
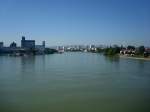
{"x":133,"y":51}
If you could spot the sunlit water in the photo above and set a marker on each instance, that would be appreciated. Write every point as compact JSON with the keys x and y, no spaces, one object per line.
{"x":74,"y":82}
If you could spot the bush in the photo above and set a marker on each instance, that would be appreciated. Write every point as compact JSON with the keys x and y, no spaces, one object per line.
{"x":50,"y":51}
{"x":112,"y":51}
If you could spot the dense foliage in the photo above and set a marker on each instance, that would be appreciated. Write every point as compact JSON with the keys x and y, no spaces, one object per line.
{"x":131,"y":47}
{"x":112,"y":50}
{"x":141,"y":49}
{"x":50,"y":51}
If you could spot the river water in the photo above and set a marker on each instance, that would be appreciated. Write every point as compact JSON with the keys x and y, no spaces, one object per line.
{"x":74,"y":82}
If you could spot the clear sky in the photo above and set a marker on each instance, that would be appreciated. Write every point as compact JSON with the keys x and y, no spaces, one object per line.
{"x":63,"y":22}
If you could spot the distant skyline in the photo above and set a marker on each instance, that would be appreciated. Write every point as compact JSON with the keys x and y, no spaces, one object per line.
{"x":65,"y":22}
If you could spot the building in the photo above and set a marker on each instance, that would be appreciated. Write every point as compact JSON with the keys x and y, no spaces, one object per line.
{"x":28,"y":44}
{"x":43,"y":44}
{"x":92,"y":47}
{"x":13,"y":45}
{"x":1,"y":44}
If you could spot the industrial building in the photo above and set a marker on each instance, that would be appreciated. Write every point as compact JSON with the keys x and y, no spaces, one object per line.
{"x":28,"y":44}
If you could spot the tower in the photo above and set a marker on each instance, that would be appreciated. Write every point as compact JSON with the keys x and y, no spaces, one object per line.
{"x":23,"y":41}
{"x":43,"y":43}
{"x":1,"y":44}
{"x":23,"y":37}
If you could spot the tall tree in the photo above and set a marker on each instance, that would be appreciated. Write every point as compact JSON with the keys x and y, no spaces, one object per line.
{"x":141,"y":49}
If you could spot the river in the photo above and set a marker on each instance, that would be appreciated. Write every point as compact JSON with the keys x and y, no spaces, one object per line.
{"x":74,"y":82}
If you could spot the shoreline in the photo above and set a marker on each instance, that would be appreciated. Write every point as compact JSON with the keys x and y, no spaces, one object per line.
{"x":137,"y":58}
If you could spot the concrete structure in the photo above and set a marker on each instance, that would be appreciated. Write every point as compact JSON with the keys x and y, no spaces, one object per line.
{"x":92,"y":46}
{"x":28,"y":44}
{"x":43,"y":43}
{"x":1,"y":44}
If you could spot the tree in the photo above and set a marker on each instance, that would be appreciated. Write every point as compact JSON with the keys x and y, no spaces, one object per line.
{"x":112,"y":50}
{"x":131,"y":47}
{"x":50,"y":51}
{"x":141,"y":50}
{"x":100,"y":50}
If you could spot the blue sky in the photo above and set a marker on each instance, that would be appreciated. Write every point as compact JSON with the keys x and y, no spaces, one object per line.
{"x":63,"y":22}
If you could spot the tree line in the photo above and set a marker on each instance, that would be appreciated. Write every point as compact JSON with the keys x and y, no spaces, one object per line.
{"x":115,"y":50}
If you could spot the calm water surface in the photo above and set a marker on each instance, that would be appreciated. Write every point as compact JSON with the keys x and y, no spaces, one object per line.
{"x":74,"y":82}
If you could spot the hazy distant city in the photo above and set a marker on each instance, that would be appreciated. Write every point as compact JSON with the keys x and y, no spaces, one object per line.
{"x":29,"y":47}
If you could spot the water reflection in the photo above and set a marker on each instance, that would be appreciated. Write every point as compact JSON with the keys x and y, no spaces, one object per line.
{"x":27,"y":67}
{"x":143,"y":68}
{"x":141,"y":64}
{"x":111,"y":59}
{"x":40,"y":62}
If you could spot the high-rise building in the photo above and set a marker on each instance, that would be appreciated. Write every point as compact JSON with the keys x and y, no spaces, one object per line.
{"x":92,"y":46}
{"x":43,"y":43}
{"x":1,"y":44}
{"x":29,"y":44}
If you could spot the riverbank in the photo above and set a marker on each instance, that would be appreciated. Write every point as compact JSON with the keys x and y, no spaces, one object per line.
{"x":137,"y":58}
